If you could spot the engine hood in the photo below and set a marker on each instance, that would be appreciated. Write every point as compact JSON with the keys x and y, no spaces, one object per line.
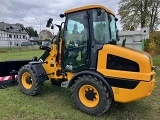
{"x":141,"y":52}
{"x":143,"y":59}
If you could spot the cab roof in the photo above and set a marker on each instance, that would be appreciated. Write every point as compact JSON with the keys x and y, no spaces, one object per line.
{"x":88,"y":7}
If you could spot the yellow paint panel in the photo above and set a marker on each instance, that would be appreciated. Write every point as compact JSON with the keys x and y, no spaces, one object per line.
{"x":52,"y":66}
{"x":89,"y":7}
{"x":143,"y":89}
{"x":144,"y":60}
{"x":70,"y":75}
{"x":126,"y":74}
{"x":138,"y":57}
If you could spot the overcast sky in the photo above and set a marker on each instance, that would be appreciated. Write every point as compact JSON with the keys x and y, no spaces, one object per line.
{"x":26,"y":11}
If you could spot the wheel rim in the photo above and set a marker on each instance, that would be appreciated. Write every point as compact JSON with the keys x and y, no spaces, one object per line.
{"x":27,"y":80}
{"x":89,"y":96}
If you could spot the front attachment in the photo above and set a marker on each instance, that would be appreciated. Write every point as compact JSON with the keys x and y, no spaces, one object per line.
{"x":7,"y":81}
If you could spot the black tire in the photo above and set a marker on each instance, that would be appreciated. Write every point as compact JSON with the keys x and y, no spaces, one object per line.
{"x":91,"y":96}
{"x":28,"y":82}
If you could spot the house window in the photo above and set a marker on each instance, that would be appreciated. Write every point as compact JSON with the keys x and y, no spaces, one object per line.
{"x":10,"y":35}
{"x":14,"y":36}
{"x":17,"y":36}
{"x":23,"y":37}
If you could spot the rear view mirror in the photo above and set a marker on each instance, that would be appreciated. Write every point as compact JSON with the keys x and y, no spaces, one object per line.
{"x":52,"y":27}
{"x":116,"y":19}
{"x":62,"y":15}
{"x":49,"y":22}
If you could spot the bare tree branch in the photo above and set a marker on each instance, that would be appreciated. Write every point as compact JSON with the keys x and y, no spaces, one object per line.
{"x":139,"y":13}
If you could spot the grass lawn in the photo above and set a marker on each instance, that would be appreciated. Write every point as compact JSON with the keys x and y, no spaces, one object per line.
{"x":19,"y":54}
{"x":55,"y":103}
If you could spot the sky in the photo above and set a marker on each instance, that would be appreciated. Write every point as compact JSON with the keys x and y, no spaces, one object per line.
{"x":35,"y":13}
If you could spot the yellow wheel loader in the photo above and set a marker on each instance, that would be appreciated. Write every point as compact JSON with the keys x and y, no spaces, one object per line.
{"x":85,"y":57}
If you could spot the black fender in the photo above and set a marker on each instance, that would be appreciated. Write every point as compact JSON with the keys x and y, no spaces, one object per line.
{"x":39,"y":70}
{"x":93,"y":73}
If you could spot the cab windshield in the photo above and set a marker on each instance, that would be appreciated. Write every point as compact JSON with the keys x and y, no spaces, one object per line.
{"x":104,"y":27}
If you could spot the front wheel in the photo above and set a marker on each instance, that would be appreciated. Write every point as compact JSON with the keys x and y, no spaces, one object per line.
{"x":91,"y":95}
{"x":28,"y":82}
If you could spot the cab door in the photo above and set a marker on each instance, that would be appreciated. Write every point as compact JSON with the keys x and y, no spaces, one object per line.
{"x":76,"y":42}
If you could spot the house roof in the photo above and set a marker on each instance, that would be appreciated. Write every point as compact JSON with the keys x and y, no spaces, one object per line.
{"x":14,"y":28}
{"x":45,"y":34}
{"x":35,"y":38}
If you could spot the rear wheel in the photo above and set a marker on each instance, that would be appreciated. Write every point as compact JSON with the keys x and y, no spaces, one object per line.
{"x":28,"y":82}
{"x":91,"y":96}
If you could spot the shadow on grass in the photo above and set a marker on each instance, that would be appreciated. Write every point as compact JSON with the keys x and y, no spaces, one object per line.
{"x":132,"y":110}
{"x":60,"y":98}
{"x":53,"y":89}
{"x":127,"y":110}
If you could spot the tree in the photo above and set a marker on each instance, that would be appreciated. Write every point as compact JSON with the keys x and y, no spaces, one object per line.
{"x":155,"y":12}
{"x":35,"y":33}
{"x":31,"y":31}
{"x":139,"y":14}
{"x":99,"y":30}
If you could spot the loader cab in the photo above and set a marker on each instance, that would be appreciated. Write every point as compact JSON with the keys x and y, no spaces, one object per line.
{"x":86,"y":30}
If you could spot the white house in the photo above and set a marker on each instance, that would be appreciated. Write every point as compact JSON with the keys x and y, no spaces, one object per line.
{"x":12,"y":34}
{"x":45,"y":36}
